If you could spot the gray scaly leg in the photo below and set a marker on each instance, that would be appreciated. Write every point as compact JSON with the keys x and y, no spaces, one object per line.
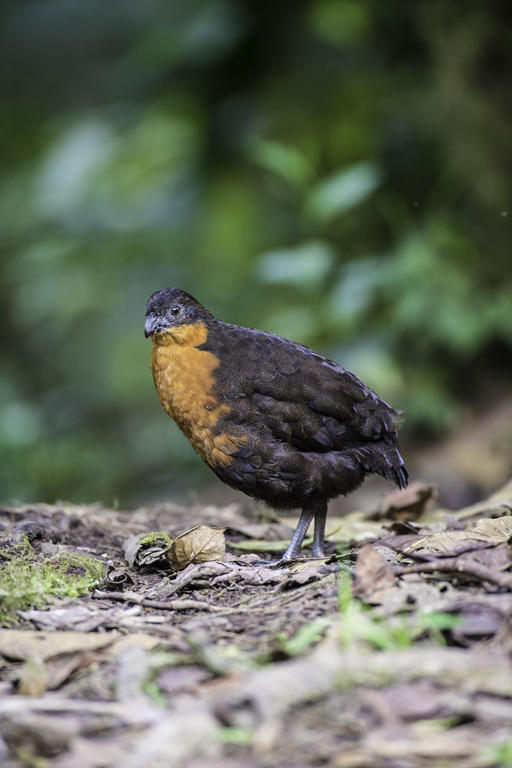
{"x":317,"y":550}
{"x":300,"y":532}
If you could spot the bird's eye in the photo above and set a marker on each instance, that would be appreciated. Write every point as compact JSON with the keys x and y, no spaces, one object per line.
{"x":175,"y":310}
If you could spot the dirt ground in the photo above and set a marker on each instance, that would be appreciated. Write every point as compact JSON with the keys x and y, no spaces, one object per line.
{"x":392,"y":652}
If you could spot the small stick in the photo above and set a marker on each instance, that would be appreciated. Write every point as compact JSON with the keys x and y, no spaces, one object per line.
{"x":456,"y":567}
{"x":162,"y":605}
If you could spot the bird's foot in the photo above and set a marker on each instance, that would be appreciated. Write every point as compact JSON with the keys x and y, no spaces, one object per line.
{"x":284,"y":561}
{"x":281,"y":563}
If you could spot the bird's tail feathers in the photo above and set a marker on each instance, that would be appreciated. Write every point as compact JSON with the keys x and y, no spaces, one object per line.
{"x":385,"y":461}
{"x":401,"y":476}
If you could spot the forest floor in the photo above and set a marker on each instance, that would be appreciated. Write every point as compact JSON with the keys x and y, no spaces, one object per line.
{"x":394,"y":652}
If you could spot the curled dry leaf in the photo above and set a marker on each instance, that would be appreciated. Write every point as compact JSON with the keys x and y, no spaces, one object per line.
{"x":199,"y":545}
{"x":114,"y":576}
{"x":146,"y":549}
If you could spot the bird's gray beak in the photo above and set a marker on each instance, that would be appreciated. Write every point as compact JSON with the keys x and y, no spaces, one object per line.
{"x":152,"y":325}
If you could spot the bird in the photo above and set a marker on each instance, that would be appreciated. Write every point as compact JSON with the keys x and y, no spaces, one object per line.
{"x":271,"y":417}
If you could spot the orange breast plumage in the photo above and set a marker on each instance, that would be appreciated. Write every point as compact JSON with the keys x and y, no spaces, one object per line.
{"x":185,"y":383}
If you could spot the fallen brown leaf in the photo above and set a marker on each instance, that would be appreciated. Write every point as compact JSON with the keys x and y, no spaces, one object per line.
{"x":373,"y":575}
{"x":487,"y":531}
{"x":199,"y":545}
{"x":409,"y":503}
{"x":498,"y":529}
{"x":22,"y":644}
{"x":478,"y":621}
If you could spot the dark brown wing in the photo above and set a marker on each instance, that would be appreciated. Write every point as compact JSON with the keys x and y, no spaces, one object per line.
{"x":288,"y":393}
{"x":310,"y":399}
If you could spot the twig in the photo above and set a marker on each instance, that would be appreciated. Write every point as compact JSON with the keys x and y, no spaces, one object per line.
{"x":161,"y":605}
{"x":61,"y":705}
{"x":455,"y":566}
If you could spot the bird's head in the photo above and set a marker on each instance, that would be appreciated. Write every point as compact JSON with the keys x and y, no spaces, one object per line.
{"x":172,"y":311}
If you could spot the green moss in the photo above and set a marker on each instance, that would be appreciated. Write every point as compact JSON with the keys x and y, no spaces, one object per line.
{"x":27,"y":583}
{"x":155,"y":536}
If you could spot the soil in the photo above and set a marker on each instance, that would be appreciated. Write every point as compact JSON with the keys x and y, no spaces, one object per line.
{"x":393,"y":651}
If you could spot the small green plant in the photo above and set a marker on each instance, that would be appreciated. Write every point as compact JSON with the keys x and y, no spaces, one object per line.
{"x":306,"y":636}
{"x":153,"y":692}
{"x":360,"y":623}
{"x":158,"y":662}
{"x":499,"y":755}
{"x":241,"y":737}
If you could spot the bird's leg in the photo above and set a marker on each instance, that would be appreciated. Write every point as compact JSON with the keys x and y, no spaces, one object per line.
{"x":300,"y":532}
{"x":319,"y":512}
{"x":317,"y":550}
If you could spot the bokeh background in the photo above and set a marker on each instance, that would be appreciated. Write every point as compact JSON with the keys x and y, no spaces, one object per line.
{"x":336,"y":171}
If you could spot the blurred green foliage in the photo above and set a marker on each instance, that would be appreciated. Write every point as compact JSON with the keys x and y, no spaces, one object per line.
{"x":336,"y":171}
